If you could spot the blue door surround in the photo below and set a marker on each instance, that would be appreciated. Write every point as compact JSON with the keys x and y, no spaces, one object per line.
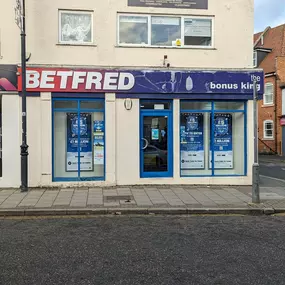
{"x":157,"y":113}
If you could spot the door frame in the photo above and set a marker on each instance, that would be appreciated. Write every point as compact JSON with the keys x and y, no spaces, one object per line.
{"x":158,"y":113}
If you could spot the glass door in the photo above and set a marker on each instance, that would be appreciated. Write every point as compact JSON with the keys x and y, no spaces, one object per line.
{"x":156,"y":144}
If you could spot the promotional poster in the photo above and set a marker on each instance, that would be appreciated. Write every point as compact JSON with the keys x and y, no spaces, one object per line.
{"x":192,"y":141}
{"x":223,"y":142}
{"x":79,"y":128}
{"x":98,"y":142}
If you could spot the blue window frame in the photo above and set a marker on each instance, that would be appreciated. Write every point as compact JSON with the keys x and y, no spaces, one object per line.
{"x":213,"y":138}
{"x":78,"y":139}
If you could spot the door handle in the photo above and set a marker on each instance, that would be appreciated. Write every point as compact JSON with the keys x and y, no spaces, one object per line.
{"x":146,"y":143}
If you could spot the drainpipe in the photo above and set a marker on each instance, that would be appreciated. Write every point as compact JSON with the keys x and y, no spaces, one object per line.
{"x":275,"y":112}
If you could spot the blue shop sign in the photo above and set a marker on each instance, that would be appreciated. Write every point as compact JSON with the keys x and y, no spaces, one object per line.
{"x":150,"y":83}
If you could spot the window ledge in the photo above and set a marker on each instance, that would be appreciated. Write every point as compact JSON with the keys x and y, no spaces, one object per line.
{"x":267,"y":105}
{"x":268,"y":139}
{"x":77,"y":45}
{"x":165,"y":47}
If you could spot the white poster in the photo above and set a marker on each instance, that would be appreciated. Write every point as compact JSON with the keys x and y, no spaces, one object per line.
{"x":192,"y":159}
{"x":85,"y":161}
{"x":223,"y":159}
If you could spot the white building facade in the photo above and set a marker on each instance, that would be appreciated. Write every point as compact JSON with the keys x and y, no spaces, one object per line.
{"x":126,"y":92}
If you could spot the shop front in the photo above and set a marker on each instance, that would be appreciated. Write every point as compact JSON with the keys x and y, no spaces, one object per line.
{"x":128,"y":127}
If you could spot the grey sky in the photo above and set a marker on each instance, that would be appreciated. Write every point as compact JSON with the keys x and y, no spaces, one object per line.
{"x":268,"y":13}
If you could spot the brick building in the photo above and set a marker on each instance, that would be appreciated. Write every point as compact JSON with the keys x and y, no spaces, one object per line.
{"x":269,"y":54}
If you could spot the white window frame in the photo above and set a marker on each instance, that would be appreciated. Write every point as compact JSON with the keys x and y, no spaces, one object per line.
{"x":60,"y":41}
{"x":182,"y":18}
{"x":255,"y":58}
{"x":264,"y":97}
{"x":264,"y":130}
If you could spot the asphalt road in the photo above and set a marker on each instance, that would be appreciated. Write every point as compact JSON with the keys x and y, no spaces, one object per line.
{"x":143,"y":250}
{"x":272,"y":166}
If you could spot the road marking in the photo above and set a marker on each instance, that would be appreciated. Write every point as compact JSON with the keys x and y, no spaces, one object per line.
{"x":277,"y":179}
{"x":283,"y":168}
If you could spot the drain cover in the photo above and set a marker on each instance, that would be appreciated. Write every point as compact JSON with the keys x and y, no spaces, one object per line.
{"x":118,"y":198}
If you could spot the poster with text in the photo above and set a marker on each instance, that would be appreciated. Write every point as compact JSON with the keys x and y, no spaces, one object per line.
{"x":192,"y":141}
{"x":223,"y":142}
{"x":79,"y":138}
{"x":98,"y":142}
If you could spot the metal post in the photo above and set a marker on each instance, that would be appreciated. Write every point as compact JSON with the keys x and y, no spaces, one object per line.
{"x":24,"y":146}
{"x":255,"y":167}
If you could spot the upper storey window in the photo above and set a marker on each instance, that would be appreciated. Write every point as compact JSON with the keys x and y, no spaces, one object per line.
{"x":165,"y":31}
{"x":75,"y":27}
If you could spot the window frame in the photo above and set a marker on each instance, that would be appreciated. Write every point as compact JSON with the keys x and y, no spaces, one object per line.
{"x":264,"y":130}
{"x":77,"y":109}
{"x":264,"y":101}
{"x":182,"y":19}
{"x":212,"y":111}
{"x":89,"y":12}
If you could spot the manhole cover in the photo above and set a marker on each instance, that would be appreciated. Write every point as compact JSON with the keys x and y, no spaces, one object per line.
{"x":118,"y":198}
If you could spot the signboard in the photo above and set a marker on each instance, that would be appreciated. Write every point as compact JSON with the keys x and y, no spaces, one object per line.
{"x":223,"y":142}
{"x":143,"y":81}
{"x":8,"y":77}
{"x":192,"y":141}
{"x":282,"y":121}
{"x":98,"y":142}
{"x":79,"y":137}
{"x":182,"y":4}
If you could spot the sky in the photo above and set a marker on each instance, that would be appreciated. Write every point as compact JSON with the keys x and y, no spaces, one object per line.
{"x":268,"y":13}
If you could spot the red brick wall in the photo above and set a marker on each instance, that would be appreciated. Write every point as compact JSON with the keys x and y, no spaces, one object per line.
{"x":280,"y":65}
{"x":266,"y":112}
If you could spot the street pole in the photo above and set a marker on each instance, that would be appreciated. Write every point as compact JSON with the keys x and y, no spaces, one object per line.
{"x":255,"y":167}
{"x":21,"y":22}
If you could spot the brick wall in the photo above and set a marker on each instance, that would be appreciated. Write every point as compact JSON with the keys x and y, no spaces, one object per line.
{"x":266,"y":112}
{"x":280,"y":66}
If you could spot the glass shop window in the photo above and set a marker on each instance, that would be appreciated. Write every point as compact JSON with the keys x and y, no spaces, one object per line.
{"x":212,"y":138}
{"x":78,"y":140}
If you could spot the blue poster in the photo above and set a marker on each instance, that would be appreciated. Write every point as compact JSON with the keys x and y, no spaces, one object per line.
{"x":75,"y":128}
{"x":155,"y":134}
{"x":98,"y":126}
{"x":192,"y":141}
{"x":98,"y":142}
{"x":223,"y":142}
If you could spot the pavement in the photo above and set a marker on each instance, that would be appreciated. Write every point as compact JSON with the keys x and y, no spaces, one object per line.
{"x":166,"y":199}
{"x":143,"y":250}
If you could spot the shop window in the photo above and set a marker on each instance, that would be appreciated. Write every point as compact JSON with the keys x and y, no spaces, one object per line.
{"x":268,"y":94}
{"x":75,"y":27}
{"x":197,"y":32}
{"x":268,"y":129}
{"x":212,"y":138}
{"x":164,"y":31}
{"x":78,"y":140}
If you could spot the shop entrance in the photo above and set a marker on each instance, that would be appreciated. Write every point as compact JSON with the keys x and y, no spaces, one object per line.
{"x":156,"y":150}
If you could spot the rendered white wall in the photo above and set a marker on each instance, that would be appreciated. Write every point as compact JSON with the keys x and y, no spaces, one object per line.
{"x":233,"y":30}
{"x":11,"y":141}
